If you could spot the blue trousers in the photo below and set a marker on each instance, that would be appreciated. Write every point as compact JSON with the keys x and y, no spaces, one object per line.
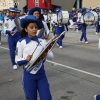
{"x":83,"y":33}
{"x":97,"y":27}
{"x":33,"y":83}
{"x":98,"y":97}
{"x":58,"y":31}
{"x":60,"y":40}
{"x":12,"y":48}
{"x":79,"y":27}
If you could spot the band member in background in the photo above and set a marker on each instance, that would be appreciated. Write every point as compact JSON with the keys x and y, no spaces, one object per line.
{"x":79,"y":19}
{"x":13,"y":35}
{"x":83,"y":10}
{"x":18,"y":13}
{"x":58,"y":26}
{"x":98,"y":22}
{"x":35,"y":79}
{"x":46,"y":18}
{"x":36,"y":11}
{"x":75,"y":18}
{"x":71,"y":18}
{"x":1,"y":23}
{"x":77,"y":24}
{"x":5,"y":17}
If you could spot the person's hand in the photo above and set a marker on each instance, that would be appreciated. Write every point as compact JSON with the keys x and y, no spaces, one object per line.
{"x":12,"y":32}
{"x":29,"y":57}
{"x":55,"y":37}
{"x":46,"y":37}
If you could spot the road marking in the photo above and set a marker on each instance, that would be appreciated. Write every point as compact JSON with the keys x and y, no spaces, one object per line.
{"x":75,"y":69}
{"x":4,"y":48}
{"x":81,"y":44}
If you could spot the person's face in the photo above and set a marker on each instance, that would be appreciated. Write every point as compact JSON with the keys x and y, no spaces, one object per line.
{"x":17,"y":14}
{"x":84,"y":12}
{"x":36,"y":13}
{"x":32,"y":29}
{"x":12,"y":14}
{"x":45,"y":13}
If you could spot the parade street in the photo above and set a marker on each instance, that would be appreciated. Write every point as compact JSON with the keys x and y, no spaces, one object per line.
{"x":73,"y":74}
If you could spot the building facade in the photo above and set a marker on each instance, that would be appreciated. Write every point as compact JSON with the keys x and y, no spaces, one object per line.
{"x":44,"y":4}
{"x":78,"y":4}
{"x":5,"y":4}
{"x":86,"y":3}
{"x":90,"y":3}
{"x":64,"y":4}
{"x":51,"y":4}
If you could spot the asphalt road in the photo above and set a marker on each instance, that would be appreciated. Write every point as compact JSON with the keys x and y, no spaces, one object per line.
{"x":73,"y":74}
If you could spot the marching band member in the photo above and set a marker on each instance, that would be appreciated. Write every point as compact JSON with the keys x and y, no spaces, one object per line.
{"x":56,"y":21}
{"x":13,"y":35}
{"x":97,"y":23}
{"x":83,"y":26}
{"x":1,"y":23}
{"x":45,"y":14}
{"x":75,"y":22}
{"x":18,"y":13}
{"x":5,"y":17}
{"x":34,"y":80}
{"x":46,"y":18}
{"x":36,"y":11}
{"x":79,"y":20}
{"x":79,"y":15}
{"x":71,"y":18}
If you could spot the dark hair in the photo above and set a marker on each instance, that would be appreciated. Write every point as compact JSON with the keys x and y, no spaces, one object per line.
{"x":41,"y":17}
{"x":23,"y":33}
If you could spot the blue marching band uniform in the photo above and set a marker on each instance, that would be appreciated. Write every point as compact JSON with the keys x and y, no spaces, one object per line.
{"x":58,"y":26}
{"x":35,"y":79}
{"x":43,"y":24}
{"x":13,"y":34}
{"x":98,"y":22}
{"x":46,"y":18}
{"x":83,"y":27}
